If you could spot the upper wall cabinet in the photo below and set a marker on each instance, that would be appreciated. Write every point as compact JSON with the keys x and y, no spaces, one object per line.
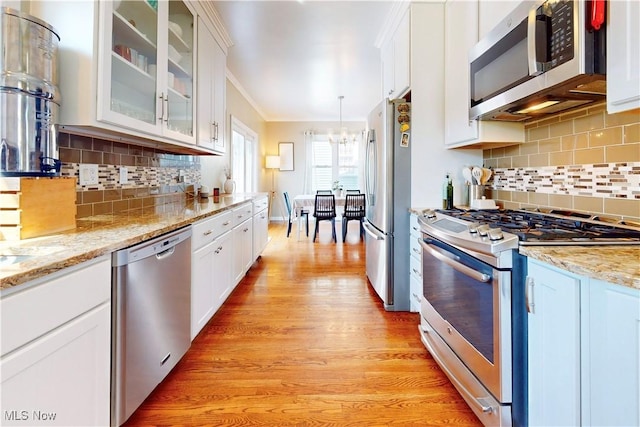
{"x":623,"y":56}
{"x":491,"y":12}
{"x":212,"y":63}
{"x":126,"y":68}
{"x":461,"y":33}
{"x":396,"y":60}
{"x":146,"y":74}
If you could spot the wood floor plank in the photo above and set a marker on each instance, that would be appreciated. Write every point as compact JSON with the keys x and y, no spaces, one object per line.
{"x":304,"y":341}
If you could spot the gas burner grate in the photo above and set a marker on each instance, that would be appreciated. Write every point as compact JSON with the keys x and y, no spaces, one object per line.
{"x":557,"y":226}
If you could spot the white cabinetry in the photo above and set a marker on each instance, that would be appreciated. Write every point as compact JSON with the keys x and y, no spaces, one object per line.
{"x":56,"y":341}
{"x":212,"y":63}
{"x":554,"y":346}
{"x":611,"y":374}
{"x":210,"y":274}
{"x":396,"y":59}
{"x":583,"y":350}
{"x":491,"y":12}
{"x":242,"y":241}
{"x":415,"y":264}
{"x":260,"y":226}
{"x":623,"y":56}
{"x":126,"y":70}
{"x":461,"y":33}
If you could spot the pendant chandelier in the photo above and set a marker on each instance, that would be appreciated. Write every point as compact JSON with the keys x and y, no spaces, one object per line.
{"x":343,"y":137}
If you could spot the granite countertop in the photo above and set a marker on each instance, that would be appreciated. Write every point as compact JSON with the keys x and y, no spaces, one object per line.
{"x":100,"y":235}
{"x":614,"y":264}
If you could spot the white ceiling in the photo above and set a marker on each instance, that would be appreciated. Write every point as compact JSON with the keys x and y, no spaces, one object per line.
{"x":294,"y":58}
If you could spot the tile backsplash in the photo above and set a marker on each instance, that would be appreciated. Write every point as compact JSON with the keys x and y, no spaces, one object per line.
{"x":586,"y":160}
{"x":152,"y":175}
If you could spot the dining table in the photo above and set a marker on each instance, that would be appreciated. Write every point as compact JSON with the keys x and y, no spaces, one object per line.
{"x":307,"y":202}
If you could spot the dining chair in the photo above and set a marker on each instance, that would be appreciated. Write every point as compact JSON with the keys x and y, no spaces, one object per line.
{"x":354,"y":208}
{"x":324,"y":192}
{"x":290,"y":212}
{"x":325,"y":209}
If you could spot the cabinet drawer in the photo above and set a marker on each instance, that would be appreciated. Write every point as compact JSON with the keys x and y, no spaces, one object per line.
{"x":415,"y":288}
{"x":414,"y":248}
{"x":415,"y":267}
{"x":36,"y":310}
{"x":205,"y":231}
{"x":242,"y":213}
{"x":414,"y":226}
{"x":260,"y":204}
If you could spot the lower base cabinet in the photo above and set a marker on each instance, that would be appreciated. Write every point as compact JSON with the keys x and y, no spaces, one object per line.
{"x":56,"y":348}
{"x":611,"y":369}
{"x":210,"y":271}
{"x":260,"y":226}
{"x":554,"y":346}
{"x":242,"y":250}
{"x":584,"y":348}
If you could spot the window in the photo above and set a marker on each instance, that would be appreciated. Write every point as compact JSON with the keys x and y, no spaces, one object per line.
{"x":243,"y":156}
{"x":334,"y":162}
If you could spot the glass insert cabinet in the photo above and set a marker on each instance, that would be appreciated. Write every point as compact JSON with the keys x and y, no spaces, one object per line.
{"x":146,"y":78}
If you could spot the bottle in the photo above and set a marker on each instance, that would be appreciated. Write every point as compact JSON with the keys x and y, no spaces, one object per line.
{"x":445,"y":186}
{"x":449,"y":193}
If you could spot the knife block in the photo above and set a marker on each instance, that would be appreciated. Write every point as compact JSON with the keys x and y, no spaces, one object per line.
{"x":34,"y":207}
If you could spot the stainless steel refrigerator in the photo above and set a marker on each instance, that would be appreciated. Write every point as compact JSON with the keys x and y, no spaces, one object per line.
{"x":387,"y":170}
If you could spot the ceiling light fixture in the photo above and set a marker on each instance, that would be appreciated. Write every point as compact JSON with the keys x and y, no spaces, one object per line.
{"x":343,"y":137}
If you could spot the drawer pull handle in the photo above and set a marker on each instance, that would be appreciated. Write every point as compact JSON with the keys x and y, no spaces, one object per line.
{"x":206,"y":233}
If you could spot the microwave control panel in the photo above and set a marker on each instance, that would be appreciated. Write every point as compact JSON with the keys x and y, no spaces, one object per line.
{"x":559,"y":17}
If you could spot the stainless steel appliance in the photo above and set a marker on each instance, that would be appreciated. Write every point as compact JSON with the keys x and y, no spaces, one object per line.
{"x":151,"y":300}
{"x":29,"y":96}
{"x":473,"y":314}
{"x":543,"y":58}
{"x":388,"y":189}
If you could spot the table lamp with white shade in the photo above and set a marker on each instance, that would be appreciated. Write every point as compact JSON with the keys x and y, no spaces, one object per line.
{"x":273,"y":163}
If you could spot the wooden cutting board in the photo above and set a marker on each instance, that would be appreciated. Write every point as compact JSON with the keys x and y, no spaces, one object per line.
{"x":33,"y":207}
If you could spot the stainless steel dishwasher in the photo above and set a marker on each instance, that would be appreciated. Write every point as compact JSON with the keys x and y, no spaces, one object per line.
{"x":151,"y":291}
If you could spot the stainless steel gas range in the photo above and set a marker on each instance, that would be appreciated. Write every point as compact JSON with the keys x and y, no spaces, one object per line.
{"x":473,"y":310}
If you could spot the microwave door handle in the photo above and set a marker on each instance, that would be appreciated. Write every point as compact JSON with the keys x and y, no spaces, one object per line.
{"x":468,"y":271}
{"x":535,"y":67}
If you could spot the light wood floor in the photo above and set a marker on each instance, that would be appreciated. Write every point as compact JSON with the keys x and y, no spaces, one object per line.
{"x":304,"y":341}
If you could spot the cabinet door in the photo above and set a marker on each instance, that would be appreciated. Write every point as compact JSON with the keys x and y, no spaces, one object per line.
{"x":222,"y":259}
{"x":205,"y":86}
{"x":260,"y":233}
{"x":623,"y":56}
{"x":461,"y":33}
{"x":491,"y":12}
{"x":242,"y":250}
{"x":129,"y":92}
{"x":203,"y":300}
{"x":554,"y":346}
{"x":388,"y":70}
{"x":145,"y":72}
{"x":219,"y":87}
{"x":61,"y":378}
{"x":402,"y":56}
{"x":611,"y":379}
{"x":178,"y":113}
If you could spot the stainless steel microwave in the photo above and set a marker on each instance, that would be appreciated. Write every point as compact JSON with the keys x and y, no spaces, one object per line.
{"x":546,"y":57}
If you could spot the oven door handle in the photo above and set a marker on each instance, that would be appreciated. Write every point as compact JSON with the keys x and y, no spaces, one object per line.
{"x":436,"y":252}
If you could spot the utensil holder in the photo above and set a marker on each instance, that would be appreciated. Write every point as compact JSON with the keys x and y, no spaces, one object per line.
{"x":473,"y":192}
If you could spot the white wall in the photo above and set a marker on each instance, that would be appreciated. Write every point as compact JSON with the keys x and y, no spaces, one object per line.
{"x":430,"y":160}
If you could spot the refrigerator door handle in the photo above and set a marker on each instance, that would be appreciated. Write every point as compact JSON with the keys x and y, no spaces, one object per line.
{"x":375,"y":234}
{"x":371,"y":183}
